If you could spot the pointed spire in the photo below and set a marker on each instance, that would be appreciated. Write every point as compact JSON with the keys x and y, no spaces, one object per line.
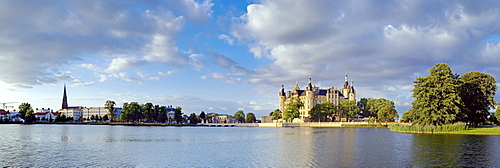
{"x":282,"y":90}
{"x":346,"y":76}
{"x":296,"y":86}
{"x":310,"y":85}
{"x":65,"y":99}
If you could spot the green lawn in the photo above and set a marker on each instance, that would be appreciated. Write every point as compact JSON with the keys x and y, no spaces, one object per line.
{"x":480,"y":130}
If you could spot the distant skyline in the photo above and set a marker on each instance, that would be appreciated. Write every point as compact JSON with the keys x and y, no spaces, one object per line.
{"x":224,"y":56}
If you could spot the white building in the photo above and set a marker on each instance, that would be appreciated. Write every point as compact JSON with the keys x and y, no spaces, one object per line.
{"x":101,"y":112}
{"x":76,"y":113}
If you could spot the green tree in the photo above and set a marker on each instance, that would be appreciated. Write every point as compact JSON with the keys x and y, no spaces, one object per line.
{"x":477,"y":93}
{"x":110,"y":106}
{"x":23,"y":109}
{"x":384,"y":109}
{"x":251,"y":118}
{"x":349,"y":109}
{"x":193,"y":119}
{"x":178,"y":114}
{"x":131,"y":112}
{"x":148,"y":111}
{"x":324,"y":111}
{"x":276,"y":114}
{"x":162,"y":114}
{"x":30,"y":116}
{"x":203,"y":116}
{"x":105,"y":118}
{"x":497,"y":113}
{"x":292,"y":109}
{"x":363,"y":107}
{"x":409,"y":116}
{"x":437,"y":98}
{"x":240,"y":116}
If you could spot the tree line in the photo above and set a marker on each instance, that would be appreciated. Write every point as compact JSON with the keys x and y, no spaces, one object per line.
{"x":381,"y":109}
{"x":443,"y":98}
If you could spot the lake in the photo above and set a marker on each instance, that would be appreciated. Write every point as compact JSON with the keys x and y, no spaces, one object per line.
{"x":45,"y":145}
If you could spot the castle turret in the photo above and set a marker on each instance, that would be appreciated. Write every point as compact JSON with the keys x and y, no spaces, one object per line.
{"x":346,"y":87}
{"x":282,"y":99}
{"x":352,"y":92}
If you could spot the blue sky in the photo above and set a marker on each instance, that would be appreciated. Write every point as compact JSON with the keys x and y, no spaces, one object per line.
{"x":223,"y":56}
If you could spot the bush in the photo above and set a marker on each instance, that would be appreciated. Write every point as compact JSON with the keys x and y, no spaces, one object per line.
{"x":428,"y":128}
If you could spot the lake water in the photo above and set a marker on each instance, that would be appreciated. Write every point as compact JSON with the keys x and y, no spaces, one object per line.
{"x":152,"y":146}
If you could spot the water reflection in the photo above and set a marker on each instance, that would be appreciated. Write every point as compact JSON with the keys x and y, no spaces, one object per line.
{"x":121,"y":146}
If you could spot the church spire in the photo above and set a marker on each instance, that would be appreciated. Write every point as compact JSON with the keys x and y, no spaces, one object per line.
{"x":65,"y":99}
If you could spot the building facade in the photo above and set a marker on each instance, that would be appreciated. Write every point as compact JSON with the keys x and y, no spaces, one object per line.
{"x":101,"y":112}
{"x":313,"y":95}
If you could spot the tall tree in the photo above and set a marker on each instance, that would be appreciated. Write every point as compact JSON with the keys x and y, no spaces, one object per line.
{"x":324,"y":111}
{"x":276,"y":114}
{"x":30,"y":116}
{"x":110,"y":106}
{"x":363,"y":107}
{"x":178,"y":114}
{"x":193,"y":119}
{"x":23,"y":109}
{"x":148,"y":111}
{"x":384,"y":109}
{"x":349,"y":109}
{"x":203,"y":116}
{"x":251,"y":118}
{"x":240,"y":116}
{"x":409,"y":116}
{"x":131,"y":111}
{"x":292,"y":109}
{"x":437,"y":98}
{"x":477,"y":93}
{"x":162,"y":114}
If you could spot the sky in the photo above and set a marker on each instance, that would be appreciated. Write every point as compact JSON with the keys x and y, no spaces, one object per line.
{"x":224,"y":56}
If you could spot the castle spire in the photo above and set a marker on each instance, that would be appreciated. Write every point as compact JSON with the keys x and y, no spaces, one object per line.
{"x":65,"y":99}
{"x":310,"y":85}
{"x":346,"y":76}
{"x":296,"y":86}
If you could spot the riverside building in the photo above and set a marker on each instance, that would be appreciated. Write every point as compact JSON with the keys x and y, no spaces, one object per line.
{"x":313,"y":95}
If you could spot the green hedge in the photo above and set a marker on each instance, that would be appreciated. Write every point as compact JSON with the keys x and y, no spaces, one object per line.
{"x":428,"y":128}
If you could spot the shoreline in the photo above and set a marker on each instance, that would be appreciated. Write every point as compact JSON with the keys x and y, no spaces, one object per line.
{"x":290,"y":125}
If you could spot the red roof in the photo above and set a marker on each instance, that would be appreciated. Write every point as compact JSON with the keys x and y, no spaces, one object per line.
{"x":3,"y":112}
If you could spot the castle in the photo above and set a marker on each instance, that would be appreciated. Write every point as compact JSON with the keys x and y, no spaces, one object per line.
{"x":313,"y":95}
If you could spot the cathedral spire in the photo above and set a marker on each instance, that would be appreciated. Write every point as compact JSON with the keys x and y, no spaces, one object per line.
{"x":65,"y":99}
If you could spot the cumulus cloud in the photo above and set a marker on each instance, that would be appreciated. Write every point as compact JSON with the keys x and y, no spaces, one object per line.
{"x":87,"y":30}
{"x":383,"y":43}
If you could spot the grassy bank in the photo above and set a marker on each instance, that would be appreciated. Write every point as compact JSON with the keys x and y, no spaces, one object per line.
{"x":415,"y":128}
{"x":479,"y":131}
{"x":458,"y":128}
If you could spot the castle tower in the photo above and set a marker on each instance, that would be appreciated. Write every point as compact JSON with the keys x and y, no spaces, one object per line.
{"x":282,"y":96}
{"x":345,"y":87}
{"x":309,"y":101}
{"x":352,"y":92}
{"x":65,"y":99}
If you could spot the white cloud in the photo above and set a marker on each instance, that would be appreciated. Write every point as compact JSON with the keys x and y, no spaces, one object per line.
{"x":90,"y":31}
{"x":119,"y":64}
{"x":227,"y":39}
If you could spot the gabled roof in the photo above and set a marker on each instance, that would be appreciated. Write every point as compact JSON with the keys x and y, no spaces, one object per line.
{"x":3,"y":112}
